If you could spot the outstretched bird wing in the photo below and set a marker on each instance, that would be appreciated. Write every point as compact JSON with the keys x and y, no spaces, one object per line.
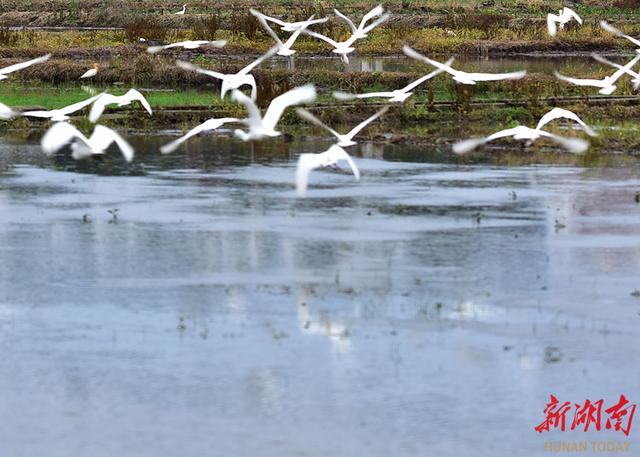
{"x":210,"y":124}
{"x":419,"y":81}
{"x":303,"y":113}
{"x":581,"y":82}
{"x":377,"y":11}
{"x":464,"y":146}
{"x":309,"y":162}
{"x":352,"y":26}
{"x":375,"y":23}
{"x":345,"y":96}
{"x":302,"y":94}
{"x":6,"y":112}
{"x":253,"y":113}
{"x":269,"y":30}
{"x":246,"y":70}
{"x":354,"y":131}
{"x":624,"y":69}
{"x":319,"y":36}
{"x":497,"y":76}
{"x":135,"y":95}
{"x":79,"y":105}
{"x":552,"y":27}
{"x":416,"y":55}
{"x":60,"y":134}
{"x":190,"y":67}
{"x":609,"y":28}
{"x":558,"y":113}
{"x":102,"y":137}
{"x":574,"y":145}
{"x":569,"y":13}
{"x":257,"y":13}
{"x":22,"y":65}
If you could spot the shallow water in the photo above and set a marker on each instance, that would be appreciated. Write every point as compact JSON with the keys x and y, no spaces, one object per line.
{"x":543,"y":64}
{"x":427,"y":310}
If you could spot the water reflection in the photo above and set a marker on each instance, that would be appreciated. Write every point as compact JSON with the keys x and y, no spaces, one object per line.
{"x":545,"y":64}
{"x":220,"y":311}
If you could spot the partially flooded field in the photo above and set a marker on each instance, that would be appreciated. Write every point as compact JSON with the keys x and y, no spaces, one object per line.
{"x":192,"y":301}
{"x":240,"y":295}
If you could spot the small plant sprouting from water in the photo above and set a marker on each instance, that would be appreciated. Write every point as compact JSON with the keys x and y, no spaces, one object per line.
{"x":114,"y":215}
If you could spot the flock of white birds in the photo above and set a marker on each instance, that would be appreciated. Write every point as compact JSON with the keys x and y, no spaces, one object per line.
{"x":258,"y":126}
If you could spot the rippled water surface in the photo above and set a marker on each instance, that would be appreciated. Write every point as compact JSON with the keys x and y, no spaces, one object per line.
{"x":429,"y":309}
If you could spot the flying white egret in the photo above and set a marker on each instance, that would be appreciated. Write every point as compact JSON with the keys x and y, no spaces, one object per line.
{"x":284,"y":49}
{"x":90,"y":73}
{"x":265,"y":126}
{"x":563,"y":17}
{"x":62,"y":133}
{"x":187,"y":45}
{"x":236,"y":80}
{"x":606,"y":84}
{"x":561,"y":113}
{"x":635,"y":75}
{"x":121,"y":100}
{"x":343,"y":48}
{"x":290,"y":26}
{"x":309,"y":162}
{"x":346,"y":139}
{"x":462,"y":76}
{"x":575,"y":145}
{"x":609,"y":28}
{"x":6,"y":112}
{"x":206,"y":126}
{"x":62,"y":114}
{"x":182,"y":11}
{"x":20,"y":66}
{"x":362,"y":29}
{"x":398,"y":95}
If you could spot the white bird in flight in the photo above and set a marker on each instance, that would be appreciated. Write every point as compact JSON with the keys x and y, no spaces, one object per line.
{"x":290,"y":26}
{"x":343,"y":48}
{"x":346,"y":139}
{"x":20,"y":66}
{"x":609,"y":28}
{"x":398,"y":95}
{"x":187,"y":45}
{"x":90,"y":73}
{"x":362,"y":29}
{"x":182,"y":11}
{"x":62,"y":114}
{"x":236,"y":80}
{"x":121,"y":100}
{"x":462,"y":76}
{"x":6,"y":112}
{"x":309,"y":162}
{"x":265,"y":126}
{"x":62,"y":133}
{"x":563,"y":17}
{"x":575,"y":145}
{"x":206,"y":126}
{"x":634,"y":74}
{"x":606,"y":84}
{"x":284,"y":49}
